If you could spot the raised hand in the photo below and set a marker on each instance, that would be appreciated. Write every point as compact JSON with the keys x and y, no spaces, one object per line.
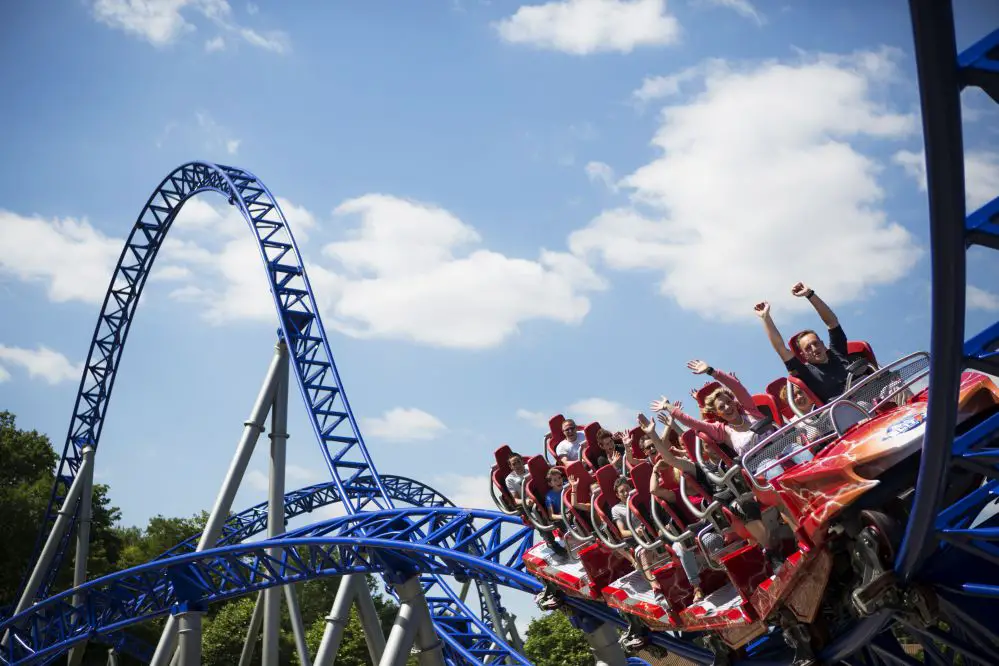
{"x":800,"y":290}
{"x":762,"y":309}
{"x":659,"y":405}
{"x":698,"y":367}
{"x":648,"y":426}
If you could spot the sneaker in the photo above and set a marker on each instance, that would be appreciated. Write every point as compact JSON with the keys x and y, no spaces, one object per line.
{"x":558,"y":549}
{"x":550,"y":603}
{"x":633,"y":641}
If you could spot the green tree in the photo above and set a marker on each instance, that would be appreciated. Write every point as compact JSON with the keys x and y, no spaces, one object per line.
{"x":553,"y":641}
{"x":26,"y":476}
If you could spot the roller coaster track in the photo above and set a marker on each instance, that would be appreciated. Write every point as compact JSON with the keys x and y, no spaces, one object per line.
{"x":949,"y":545}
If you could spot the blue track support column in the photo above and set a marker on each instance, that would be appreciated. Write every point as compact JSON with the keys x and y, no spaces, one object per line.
{"x":936,"y":60}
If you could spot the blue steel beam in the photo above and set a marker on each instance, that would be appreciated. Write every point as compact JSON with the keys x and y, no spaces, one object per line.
{"x":318,"y":379}
{"x":936,"y":60}
{"x":362,"y":543}
{"x":330,"y":415}
{"x":250,"y":522}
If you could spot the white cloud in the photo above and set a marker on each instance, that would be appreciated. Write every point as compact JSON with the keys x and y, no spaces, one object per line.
{"x":274,"y":41}
{"x":468,"y":492}
{"x":735,"y":212}
{"x":598,"y":172}
{"x":582,"y":27}
{"x":981,"y":174}
{"x":211,"y":244}
{"x":163,"y":22}
{"x":658,"y":87}
{"x":218,"y":138}
{"x":402,"y":276}
{"x":403,"y":424}
{"x":41,"y":363}
{"x":611,"y":415}
{"x":537,"y":419}
{"x":252,"y":9}
{"x":979,"y":299}
{"x":70,"y":257}
{"x":743,"y":7}
{"x":216,"y":43}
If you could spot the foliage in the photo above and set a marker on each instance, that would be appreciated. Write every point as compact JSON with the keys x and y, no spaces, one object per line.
{"x":26,"y":477}
{"x":553,"y":641}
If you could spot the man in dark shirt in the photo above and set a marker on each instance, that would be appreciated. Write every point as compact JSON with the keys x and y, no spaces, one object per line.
{"x":824,"y":369}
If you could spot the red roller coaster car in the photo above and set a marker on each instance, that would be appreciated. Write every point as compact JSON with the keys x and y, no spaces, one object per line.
{"x":840,"y":476}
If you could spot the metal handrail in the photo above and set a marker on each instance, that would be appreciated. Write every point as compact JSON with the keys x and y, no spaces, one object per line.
{"x":641,"y":541}
{"x":817,"y":413}
{"x":500,"y":501}
{"x":598,"y":527}
{"x":571,"y":524}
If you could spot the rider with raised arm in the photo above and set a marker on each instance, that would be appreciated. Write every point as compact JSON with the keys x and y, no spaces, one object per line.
{"x":825,"y":369}
{"x":739,"y":419}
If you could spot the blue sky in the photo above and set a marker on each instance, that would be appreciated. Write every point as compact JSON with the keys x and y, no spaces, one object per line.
{"x":507,"y":211}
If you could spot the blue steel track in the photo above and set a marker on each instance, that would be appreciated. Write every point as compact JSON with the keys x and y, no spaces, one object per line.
{"x":946,"y":547}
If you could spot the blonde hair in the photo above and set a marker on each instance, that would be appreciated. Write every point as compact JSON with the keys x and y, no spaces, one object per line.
{"x":709,"y":402}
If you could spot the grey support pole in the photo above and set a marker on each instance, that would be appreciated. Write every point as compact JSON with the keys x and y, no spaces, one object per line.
{"x":82,"y":550}
{"x":337,"y":621}
{"x":275,"y":510}
{"x":297,"y":628}
{"x":112,"y":657}
{"x":412,"y":625}
{"x":370,"y":622}
{"x":190,"y":638}
{"x":250,"y":644}
{"x":227,"y":493}
{"x":606,"y":649}
{"x":402,"y":635}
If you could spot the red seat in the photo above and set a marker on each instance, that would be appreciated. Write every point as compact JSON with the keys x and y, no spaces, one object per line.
{"x":577,"y":470}
{"x":606,"y":498}
{"x":554,"y":436}
{"x":769,"y":406}
{"x":773,"y":390}
{"x":635,"y":436}
{"x":537,"y":481}
{"x":500,"y":471}
{"x":591,"y":451}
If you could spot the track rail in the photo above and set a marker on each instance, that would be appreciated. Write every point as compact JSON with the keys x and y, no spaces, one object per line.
{"x":316,"y":374}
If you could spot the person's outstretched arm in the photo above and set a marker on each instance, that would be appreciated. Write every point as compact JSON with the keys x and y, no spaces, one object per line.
{"x":802,"y":290}
{"x":776,"y":341}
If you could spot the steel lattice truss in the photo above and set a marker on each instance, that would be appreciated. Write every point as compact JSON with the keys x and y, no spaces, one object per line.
{"x":316,"y":374}
{"x":250,"y":522}
{"x":395,"y":544}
